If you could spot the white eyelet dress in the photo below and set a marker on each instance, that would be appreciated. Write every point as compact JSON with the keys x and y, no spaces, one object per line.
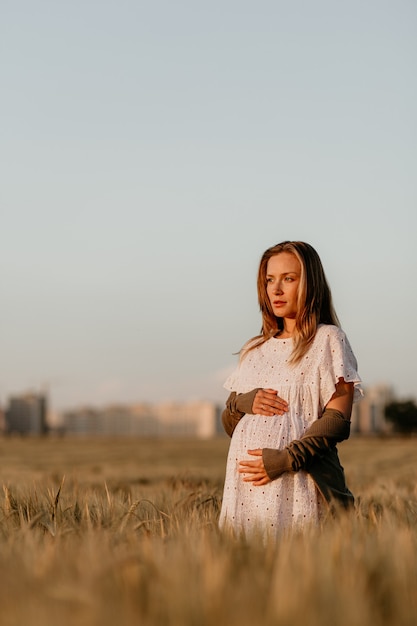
{"x":292,"y":500}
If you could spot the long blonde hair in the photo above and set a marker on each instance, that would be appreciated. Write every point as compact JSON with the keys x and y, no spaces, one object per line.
{"x":314,"y":300}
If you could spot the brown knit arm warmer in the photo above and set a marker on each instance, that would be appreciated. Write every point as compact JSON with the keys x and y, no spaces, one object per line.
{"x":324,"y":433}
{"x":237,"y":405}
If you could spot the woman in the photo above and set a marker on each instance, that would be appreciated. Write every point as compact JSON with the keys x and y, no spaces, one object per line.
{"x":290,"y":402}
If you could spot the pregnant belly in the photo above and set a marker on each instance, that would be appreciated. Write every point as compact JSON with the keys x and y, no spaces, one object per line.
{"x":256,"y":431}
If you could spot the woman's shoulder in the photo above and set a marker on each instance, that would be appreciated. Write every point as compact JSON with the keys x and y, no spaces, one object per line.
{"x":332,"y":339}
{"x":330,"y":332}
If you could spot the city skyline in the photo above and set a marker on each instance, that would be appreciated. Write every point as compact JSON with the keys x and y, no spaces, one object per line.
{"x":28,"y":415}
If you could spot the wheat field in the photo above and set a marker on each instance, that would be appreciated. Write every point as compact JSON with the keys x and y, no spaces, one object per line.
{"x":124,"y":532}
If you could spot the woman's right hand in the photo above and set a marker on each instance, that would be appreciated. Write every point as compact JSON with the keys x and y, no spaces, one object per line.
{"x":267,"y":402}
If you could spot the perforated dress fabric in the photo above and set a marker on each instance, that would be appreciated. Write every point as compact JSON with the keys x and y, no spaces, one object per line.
{"x":292,"y":500}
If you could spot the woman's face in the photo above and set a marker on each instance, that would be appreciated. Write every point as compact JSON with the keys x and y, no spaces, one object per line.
{"x":283,"y":274}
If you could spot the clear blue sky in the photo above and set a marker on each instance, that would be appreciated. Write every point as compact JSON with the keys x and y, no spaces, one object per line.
{"x":151,"y":151}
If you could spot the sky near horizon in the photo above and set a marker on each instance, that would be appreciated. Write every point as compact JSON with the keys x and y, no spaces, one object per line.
{"x":151,"y":151}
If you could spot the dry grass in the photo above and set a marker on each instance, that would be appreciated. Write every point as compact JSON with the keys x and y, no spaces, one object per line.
{"x":130,"y":537}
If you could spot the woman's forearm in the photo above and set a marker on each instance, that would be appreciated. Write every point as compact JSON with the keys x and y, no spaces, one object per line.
{"x":323,"y":434}
{"x":237,"y":405}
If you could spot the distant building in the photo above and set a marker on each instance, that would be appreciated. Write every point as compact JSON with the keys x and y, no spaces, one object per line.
{"x":26,"y":414}
{"x":111,"y":421}
{"x":195,"y":419}
{"x":368,"y":415}
{"x":198,"y":419}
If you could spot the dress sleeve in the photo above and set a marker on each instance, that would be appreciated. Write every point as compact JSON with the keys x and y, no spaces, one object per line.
{"x":338,"y":362}
{"x":232,"y":382}
{"x":238,"y":380}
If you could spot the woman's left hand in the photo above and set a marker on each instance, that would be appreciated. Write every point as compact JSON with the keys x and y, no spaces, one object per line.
{"x":254,"y":470}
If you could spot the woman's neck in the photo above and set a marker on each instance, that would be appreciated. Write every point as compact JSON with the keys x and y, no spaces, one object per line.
{"x":288,"y":330}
